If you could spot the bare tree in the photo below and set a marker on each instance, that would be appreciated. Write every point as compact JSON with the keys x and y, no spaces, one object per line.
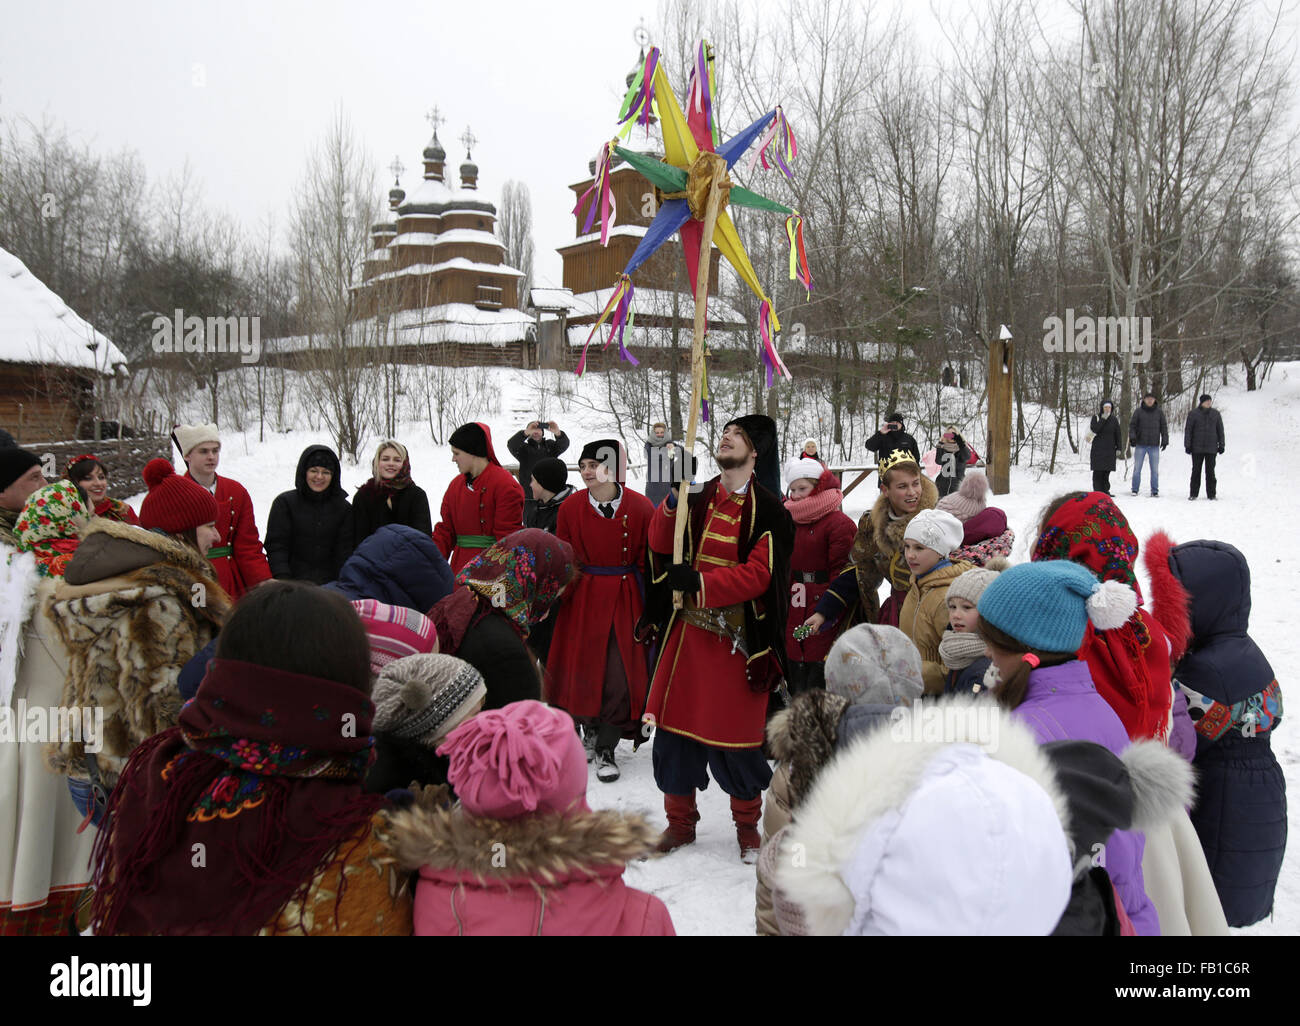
{"x":515,"y":222}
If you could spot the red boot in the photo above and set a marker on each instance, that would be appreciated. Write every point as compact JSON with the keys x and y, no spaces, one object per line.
{"x":682,"y":817}
{"x":746,"y":812}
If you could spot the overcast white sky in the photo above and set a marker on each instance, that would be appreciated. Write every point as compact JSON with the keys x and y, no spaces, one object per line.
{"x":539,"y":82}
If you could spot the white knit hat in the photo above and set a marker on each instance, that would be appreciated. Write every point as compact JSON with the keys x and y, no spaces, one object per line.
{"x":187,"y":436}
{"x":798,"y":467}
{"x":936,"y":530}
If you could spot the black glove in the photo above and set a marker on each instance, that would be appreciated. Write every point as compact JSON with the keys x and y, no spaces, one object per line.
{"x":1164,"y":447}
{"x":1188,"y":450}
{"x":684,"y":579}
{"x":1220,"y":450}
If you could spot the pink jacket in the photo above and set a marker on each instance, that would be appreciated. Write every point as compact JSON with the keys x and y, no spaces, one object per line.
{"x":542,"y":875}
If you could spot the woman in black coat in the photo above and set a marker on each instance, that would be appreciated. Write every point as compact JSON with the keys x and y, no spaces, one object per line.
{"x":390,"y":496}
{"x":1106,"y":443}
{"x":309,"y":532}
{"x":952,"y":454}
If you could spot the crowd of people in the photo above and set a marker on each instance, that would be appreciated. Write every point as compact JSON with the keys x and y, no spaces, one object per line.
{"x":379,"y":724}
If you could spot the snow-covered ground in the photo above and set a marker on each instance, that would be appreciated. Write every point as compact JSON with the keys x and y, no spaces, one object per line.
{"x":706,"y":887}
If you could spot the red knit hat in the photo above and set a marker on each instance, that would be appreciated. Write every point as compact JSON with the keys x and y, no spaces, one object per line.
{"x":174,"y":503}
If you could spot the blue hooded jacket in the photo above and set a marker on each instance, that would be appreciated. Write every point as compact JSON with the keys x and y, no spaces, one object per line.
{"x":397,"y":565}
{"x":1240,"y":813}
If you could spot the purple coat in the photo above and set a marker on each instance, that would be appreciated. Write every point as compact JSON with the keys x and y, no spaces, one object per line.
{"x":1062,"y":704}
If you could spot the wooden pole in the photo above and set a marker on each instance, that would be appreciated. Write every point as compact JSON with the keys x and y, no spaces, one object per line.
{"x":697,"y":358}
{"x":1000,"y":380}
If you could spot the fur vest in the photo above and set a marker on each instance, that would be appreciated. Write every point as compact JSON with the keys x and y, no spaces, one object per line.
{"x":132,"y":610}
{"x":878,"y":548}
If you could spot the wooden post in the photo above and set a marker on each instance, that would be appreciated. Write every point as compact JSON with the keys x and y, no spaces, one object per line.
{"x":697,"y":359}
{"x":1000,"y":379}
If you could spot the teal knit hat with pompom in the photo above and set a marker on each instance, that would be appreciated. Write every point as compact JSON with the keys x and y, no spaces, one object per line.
{"x":1048,"y":605}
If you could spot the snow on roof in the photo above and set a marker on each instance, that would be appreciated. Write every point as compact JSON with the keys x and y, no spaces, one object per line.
{"x":428,"y":191}
{"x":36,"y":326}
{"x":456,"y":263}
{"x":415,"y":239}
{"x":450,"y":322}
{"x":635,"y":230}
{"x":654,"y":338}
{"x":551,"y":299}
{"x":475,"y":235}
{"x":379,"y":254}
{"x":658,"y":303}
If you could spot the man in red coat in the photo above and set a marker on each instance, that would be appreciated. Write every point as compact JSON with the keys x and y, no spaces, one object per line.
{"x":482,"y":505}
{"x":237,"y":558}
{"x":607,"y":526}
{"x":724,"y":651}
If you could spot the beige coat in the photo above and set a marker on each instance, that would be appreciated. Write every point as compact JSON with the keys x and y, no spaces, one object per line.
{"x":1179,"y":883}
{"x":924,"y":618}
{"x":40,"y":849}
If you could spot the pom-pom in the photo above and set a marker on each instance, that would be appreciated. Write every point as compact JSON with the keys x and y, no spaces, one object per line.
{"x":415,"y":693}
{"x":997,"y":564}
{"x":156,"y":471}
{"x":974,"y":487}
{"x":1111,"y":605}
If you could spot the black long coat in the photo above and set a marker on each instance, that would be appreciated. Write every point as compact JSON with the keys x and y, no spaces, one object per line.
{"x":1106,"y":441}
{"x":309,"y":534}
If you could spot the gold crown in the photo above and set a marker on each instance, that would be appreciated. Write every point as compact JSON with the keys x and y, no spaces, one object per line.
{"x":894,"y":459}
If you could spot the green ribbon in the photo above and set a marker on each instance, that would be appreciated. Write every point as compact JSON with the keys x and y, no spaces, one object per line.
{"x":217,"y":553}
{"x":475,"y":541}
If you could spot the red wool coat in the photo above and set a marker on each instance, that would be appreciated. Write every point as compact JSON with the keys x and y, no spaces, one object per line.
{"x":700,"y":689}
{"x":599,"y":607}
{"x":821,"y":549}
{"x":493,"y":506}
{"x":246,"y":566}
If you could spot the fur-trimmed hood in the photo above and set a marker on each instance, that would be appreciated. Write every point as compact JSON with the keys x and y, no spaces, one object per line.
{"x":111,"y":549}
{"x":1170,"y":602}
{"x":872,"y":781}
{"x":547,"y":849}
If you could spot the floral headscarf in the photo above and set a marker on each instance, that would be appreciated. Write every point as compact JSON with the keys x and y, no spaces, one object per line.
{"x":1090,"y":529}
{"x":50,"y":524}
{"x":521,"y":575}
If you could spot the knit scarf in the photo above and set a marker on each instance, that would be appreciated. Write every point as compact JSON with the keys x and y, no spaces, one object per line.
{"x":1129,"y":672}
{"x":521,"y":576}
{"x":262,"y":775}
{"x":49,"y":525}
{"x":812,"y":508}
{"x":958,"y":649}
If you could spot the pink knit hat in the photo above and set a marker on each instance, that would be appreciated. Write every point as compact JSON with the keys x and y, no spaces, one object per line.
{"x":526,"y":758}
{"x":970,"y":498}
{"x":394,"y":632}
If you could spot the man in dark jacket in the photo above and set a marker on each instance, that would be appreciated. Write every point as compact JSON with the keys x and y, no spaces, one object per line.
{"x":663,"y":458}
{"x":1148,"y":433}
{"x":891,"y":436}
{"x":1203,"y":440}
{"x":1106,"y":444}
{"x":309,"y":532}
{"x":529,"y":446}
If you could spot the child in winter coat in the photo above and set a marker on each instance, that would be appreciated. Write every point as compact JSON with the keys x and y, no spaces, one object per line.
{"x":962,"y":649}
{"x":1033,"y":619}
{"x":1234,"y":698}
{"x":419,"y":700}
{"x":985,"y":534}
{"x":822,"y":541}
{"x":523,"y":854}
{"x":877,"y":552}
{"x":549,"y":487}
{"x":397,"y":565}
{"x":927,"y":542}
{"x":871,"y":671}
